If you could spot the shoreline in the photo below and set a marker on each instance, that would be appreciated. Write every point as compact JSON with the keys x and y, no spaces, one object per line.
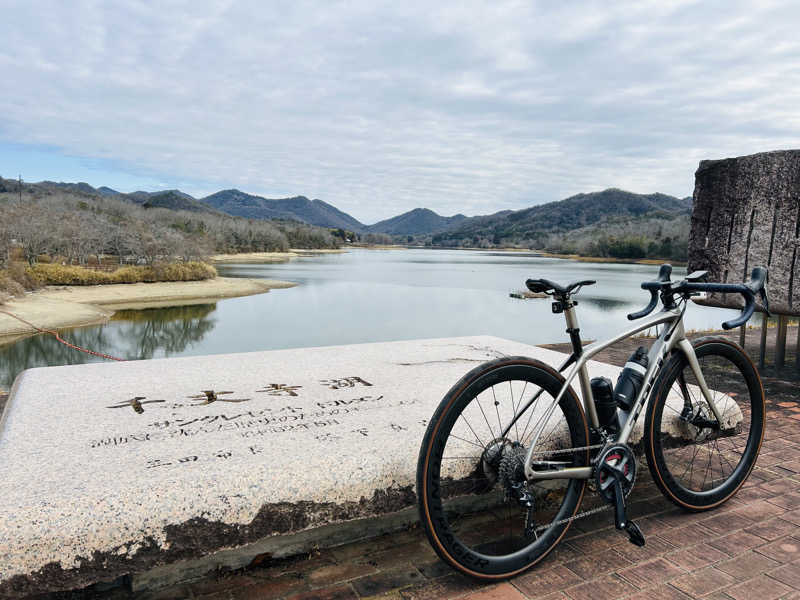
{"x":58,"y":307}
{"x":576,"y":257}
{"x":272,"y":257}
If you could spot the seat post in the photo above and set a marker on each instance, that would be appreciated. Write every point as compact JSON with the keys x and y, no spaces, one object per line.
{"x":574,"y":331}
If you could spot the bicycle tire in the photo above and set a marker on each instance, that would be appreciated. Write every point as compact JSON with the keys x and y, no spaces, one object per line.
{"x":451,"y":532}
{"x":730,"y":453}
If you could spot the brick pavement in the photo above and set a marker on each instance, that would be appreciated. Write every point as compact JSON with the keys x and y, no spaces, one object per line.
{"x":748,"y":548}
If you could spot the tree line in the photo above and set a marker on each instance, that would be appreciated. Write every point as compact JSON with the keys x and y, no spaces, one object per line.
{"x":73,"y":228}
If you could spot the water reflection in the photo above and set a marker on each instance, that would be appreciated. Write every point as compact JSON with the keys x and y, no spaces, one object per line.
{"x":604,"y":303}
{"x":170,"y":330}
{"x":132,"y":334}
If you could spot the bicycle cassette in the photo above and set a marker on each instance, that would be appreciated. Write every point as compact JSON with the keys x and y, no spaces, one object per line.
{"x":615,"y":461}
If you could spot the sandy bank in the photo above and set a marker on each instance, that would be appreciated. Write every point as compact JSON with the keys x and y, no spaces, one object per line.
{"x":271,"y":257}
{"x":70,"y":306}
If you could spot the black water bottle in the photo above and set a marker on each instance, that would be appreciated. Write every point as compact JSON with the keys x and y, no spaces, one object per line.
{"x":631,"y":378}
{"x":604,"y":401}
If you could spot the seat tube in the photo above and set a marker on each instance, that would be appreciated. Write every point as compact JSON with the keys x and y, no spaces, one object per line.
{"x":573,"y":330}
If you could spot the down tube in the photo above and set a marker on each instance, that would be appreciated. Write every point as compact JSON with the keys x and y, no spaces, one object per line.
{"x":665,"y":316}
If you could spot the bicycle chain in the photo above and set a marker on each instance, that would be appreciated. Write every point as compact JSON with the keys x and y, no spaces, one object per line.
{"x":580,"y":515}
{"x":568,"y":450}
{"x":585,"y":513}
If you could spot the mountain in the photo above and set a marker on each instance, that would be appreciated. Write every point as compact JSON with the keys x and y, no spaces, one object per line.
{"x":298,"y":208}
{"x":176,"y":200}
{"x":141,"y":197}
{"x":419,"y":221}
{"x":107,"y":191}
{"x":81,"y":187}
{"x":576,"y":212}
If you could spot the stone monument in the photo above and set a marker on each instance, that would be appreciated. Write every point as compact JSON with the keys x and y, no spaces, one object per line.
{"x":746,"y":213}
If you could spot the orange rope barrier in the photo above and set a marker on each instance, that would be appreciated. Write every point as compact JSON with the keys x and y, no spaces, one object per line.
{"x":62,"y":340}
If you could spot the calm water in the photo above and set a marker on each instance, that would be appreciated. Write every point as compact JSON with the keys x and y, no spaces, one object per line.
{"x":365,"y":296}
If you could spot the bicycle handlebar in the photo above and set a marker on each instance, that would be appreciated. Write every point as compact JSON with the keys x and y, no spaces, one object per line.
{"x":654,"y":286}
{"x":756,"y":286}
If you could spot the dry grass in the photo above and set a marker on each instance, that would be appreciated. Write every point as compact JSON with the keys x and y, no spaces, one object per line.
{"x":71,"y":275}
{"x":19,"y":277}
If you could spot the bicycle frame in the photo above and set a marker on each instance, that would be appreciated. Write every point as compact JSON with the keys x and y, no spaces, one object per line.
{"x":671,"y":337}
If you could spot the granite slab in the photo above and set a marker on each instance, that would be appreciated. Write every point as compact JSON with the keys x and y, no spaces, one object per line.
{"x":112,"y":469}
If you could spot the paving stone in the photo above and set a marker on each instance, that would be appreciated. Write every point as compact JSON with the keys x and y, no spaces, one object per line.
{"x":759,"y":510}
{"x":793,"y":465}
{"x":594,"y":565}
{"x":783,"y":550}
{"x":337,"y":592}
{"x":788,"y":574}
{"x":727,"y":522}
{"x":650,"y":573}
{"x":779,"y":487}
{"x":338,"y":573}
{"x":655,"y":546}
{"x":660,"y":592}
{"x":451,"y":586}
{"x":414,"y":552}
{"x":792,"y":516}
{"x":504,"y":591}
{"x":696,"y":557}
{"x":702,"y":582}
{"x":761,"y":587}
{"x":746,"y":565}
{"x":386,"y":581}
{"x":605,"y":588}
{"x":267,"y":589}
{"x":434,"y":569}
{"x":687,"y":536}
{"x":540,"y":583}
{"x":592,"y":543}
{"x":736,"y":543}
{"x":787,"y":501}
{"x":773,"y":529}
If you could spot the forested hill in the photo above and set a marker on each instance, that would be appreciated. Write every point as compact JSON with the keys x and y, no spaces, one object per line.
{"x":416,"y":222}
{"x":631,"y":224}
{"x":75,"y":222}
{"x":299,"y":208}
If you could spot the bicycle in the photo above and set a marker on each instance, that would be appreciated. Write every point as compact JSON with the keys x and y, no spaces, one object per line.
{"x":495,"y":498}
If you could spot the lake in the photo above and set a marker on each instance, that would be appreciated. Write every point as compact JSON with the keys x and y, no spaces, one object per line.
{"x":366,"y":296}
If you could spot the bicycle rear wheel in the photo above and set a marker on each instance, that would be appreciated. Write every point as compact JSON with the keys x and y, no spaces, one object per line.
{"x":696,"y":462}
{"x":467,"y":467}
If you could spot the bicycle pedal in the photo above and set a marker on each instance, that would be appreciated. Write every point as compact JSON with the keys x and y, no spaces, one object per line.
{"x":635,"y":535}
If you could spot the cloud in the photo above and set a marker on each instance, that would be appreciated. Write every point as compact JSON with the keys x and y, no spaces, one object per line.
{"x":382,"y":107}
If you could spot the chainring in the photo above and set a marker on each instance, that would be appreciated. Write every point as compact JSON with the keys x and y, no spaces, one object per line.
{"x":617,"y":458}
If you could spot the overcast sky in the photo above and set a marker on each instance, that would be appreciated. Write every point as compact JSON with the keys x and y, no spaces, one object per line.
{"x":379,"y":108}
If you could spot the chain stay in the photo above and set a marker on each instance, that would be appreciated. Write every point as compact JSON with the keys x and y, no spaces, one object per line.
{"x":580,"y":515}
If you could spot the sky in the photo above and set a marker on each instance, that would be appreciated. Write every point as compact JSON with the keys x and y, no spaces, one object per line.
{"x":379,"y":108}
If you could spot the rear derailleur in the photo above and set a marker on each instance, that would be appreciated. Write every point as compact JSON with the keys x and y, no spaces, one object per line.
{"x":510,"y":469}
{"x":615,"y":474}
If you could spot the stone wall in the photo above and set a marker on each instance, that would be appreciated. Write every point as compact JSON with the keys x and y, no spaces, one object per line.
{"x":747,"y":213}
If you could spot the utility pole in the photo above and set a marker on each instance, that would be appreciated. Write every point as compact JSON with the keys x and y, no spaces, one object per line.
{"x":20,"y":188}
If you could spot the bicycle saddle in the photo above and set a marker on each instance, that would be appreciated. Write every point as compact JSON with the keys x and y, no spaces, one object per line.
{"x":547,"y":286}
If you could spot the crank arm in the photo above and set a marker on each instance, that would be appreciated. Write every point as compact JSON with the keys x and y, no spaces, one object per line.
{"x":635,"y":535}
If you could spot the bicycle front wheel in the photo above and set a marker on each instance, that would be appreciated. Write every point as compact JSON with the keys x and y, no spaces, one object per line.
{"x":696,"y":461}
{"x":470,"y":472}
